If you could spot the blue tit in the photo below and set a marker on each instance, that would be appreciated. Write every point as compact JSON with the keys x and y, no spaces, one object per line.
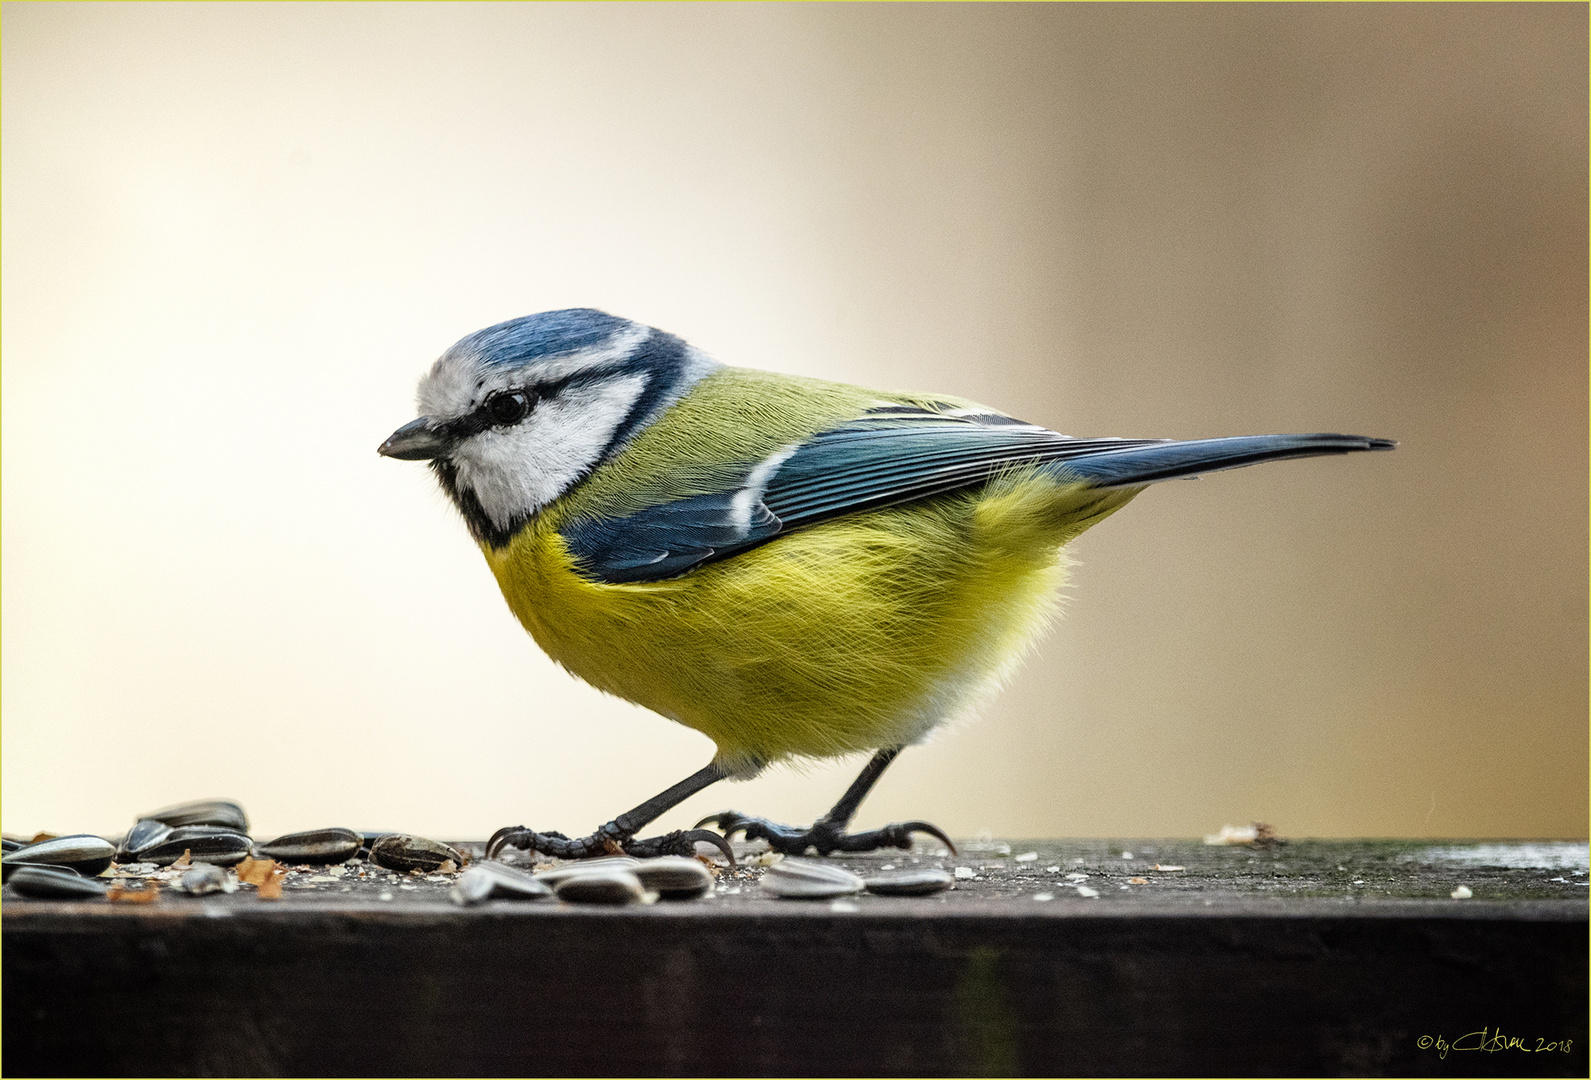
{"x":795,"y":568}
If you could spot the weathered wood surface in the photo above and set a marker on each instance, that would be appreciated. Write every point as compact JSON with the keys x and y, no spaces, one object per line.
{"x":1311,"y":958}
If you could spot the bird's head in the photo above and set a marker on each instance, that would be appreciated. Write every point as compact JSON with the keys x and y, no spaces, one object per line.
{"x":513,"y":416}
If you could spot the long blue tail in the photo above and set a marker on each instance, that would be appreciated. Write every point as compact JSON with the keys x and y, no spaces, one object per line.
{"x":1149,"y":463}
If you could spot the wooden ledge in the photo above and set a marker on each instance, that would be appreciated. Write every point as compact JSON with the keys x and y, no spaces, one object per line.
{"x":1245,"y":962}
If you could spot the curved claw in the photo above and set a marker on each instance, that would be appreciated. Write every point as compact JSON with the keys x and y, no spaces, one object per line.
{"x":508,"y":836}
{"x":909,"y":827}
{"x":730,"y":821}
{"x":707,"y":836}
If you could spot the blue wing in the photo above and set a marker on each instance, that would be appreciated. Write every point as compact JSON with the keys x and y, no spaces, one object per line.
{"x":891,"y":456}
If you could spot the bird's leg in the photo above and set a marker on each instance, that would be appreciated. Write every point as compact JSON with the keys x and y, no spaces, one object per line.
{"x":619,"y":834}
{"x":828,"y":832}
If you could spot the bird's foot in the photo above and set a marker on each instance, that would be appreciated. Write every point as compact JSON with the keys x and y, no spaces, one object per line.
{"x":824,"y":834}
{"x":610,"y":839}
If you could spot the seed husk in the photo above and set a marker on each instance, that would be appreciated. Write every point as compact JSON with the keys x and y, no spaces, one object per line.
{"x":221,"y":812}
{"x":207,"y":843}
{"x":403,"y":851}
{"x":804,"y":879}
{"x":205,"y":878}
{"x":54,"y":883}
{"x":674,"y":877}
{"x":85,"y":853}
{"x":613,"y":886}
{"x":909,"y":883}
{"x":494,"y":881}
{"x":587,"y":866}
{"x":315,"y":846}
{"x":146,"y":833}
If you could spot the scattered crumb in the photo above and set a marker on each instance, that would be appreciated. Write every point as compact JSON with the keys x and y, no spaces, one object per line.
{"x":843,"y":906}
{"x":1028,"y":856}
{"x":1233,"y":834}
{"x":891,"y":866}
{"x":253,"y":871}
{"x":1255,"y":833}
{"x":1076,"y":876}
{"x":184,"y":863}
{"x":965,"y":873}
{"x":1052,"y":869}
{"x":448,"y":867}
{"x":385,"y":896}
{"x":763,"y":858}
{"x":1043,"y":897}
{"x":1084,"y":890}
{"x":1139,"y":880}
{"x":1168,"y":869}
{"x":336,"y":871}
{"x":1461,"y":893}
{"x":271,"y":887}
{"x":1126,"y":854}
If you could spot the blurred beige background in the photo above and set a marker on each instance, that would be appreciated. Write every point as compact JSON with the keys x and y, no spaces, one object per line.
{"x":234,"y":237}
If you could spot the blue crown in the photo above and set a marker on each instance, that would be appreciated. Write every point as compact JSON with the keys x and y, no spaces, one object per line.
{"x":547,"y":333}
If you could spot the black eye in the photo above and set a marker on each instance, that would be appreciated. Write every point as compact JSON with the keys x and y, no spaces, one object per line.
{"x":508,"y":407}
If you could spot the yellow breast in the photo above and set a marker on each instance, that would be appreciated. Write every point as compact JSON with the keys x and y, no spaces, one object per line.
{"x":858,"y":633}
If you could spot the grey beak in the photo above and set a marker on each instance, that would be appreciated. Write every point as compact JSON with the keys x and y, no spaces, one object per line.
{"x":414,"y":441}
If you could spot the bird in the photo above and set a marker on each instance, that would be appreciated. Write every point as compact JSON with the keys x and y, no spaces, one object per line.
{"x":799,"y":569}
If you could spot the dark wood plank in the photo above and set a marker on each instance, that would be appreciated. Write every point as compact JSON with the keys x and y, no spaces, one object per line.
{"x":1247,"y":963}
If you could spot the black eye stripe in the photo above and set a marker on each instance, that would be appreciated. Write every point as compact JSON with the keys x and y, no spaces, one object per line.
{"x":481,"y":418}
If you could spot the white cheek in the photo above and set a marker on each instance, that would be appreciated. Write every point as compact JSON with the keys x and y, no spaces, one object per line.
{"x":515,"y":471}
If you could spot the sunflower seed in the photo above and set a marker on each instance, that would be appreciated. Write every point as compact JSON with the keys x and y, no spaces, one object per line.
{"x":12,"y":845}
{"x":223,"y":812}
{"x":803,"y":879}
{"x":86,"y":854}
{"x":909,"y":883}
{"x":145,"y":834}
{"x":674,"y":877}
{"x":207,"y":843}
{"x":54,"y":883}
{"x":402,"y":851}
{"x":586,"y":866}
{"x":615,"y":886}
{"x":494,"y":881}
{"x":316,"y":846}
